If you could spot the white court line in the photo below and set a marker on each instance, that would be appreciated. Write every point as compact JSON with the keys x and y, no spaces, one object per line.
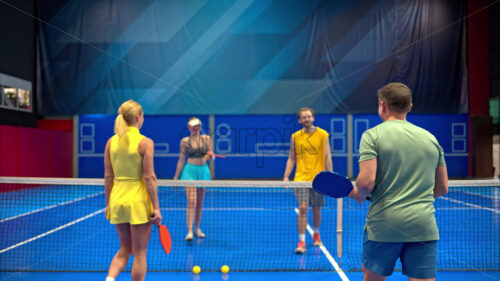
{"x":458,"y":209}
{"x":327,"y":254}
{"x":471,"y":205}
{"x":476,"y":194}
{"x":53,"y":206}
{"x":52,"y":231}
{"x":221,"y":209}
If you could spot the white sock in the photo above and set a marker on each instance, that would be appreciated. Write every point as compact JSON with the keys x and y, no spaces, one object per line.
{"x":302,"y":237}
{"x":316,"y":230}
{"x":109,"y":278}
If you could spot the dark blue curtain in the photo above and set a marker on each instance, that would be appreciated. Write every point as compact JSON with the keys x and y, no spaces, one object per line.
{"x":249,"y":57}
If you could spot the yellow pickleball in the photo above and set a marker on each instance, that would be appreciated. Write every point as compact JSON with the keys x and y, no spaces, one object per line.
{"x":196,"y":269}
{"x":224,"y":269}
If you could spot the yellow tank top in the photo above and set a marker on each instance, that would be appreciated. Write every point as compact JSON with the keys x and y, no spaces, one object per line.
{"x":129,"y":200}
{"x":310,"y":151}
{"x":125,"y":158}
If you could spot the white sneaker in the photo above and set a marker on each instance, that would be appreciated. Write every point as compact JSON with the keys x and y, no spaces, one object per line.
{"x":198,"y":233}
{"x":189,"y":237}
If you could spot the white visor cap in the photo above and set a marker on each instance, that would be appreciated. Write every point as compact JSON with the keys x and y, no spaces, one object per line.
{"x":194,"y":122}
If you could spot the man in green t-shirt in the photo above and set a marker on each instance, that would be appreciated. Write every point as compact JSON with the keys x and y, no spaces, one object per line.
{"x":402,"y":168}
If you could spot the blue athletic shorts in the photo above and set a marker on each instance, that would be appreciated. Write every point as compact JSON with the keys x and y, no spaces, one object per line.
{"x":419,"y":259}
{"x":195,"y":172}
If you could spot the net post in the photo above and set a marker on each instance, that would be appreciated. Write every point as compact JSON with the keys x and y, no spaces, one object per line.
{"x":76,"y":141}
{"x":349,"y":147}
{"x":340,"y":216}
{"x":211,"y":132}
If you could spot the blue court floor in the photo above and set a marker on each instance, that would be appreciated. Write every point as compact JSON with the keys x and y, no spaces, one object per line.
{"x":63,"y":229}
{"x":240,"y":276}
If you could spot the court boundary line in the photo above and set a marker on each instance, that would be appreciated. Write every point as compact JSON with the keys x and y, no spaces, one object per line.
{"x":327,"y":254}
{"x":474,"y":194}
{"x":52,"y":206}
{"x":222,"y":209}
{"x":52,"y":231}
{"x":458,"y":209}
{"x":470,"y":204}
{"x":54,"y":254}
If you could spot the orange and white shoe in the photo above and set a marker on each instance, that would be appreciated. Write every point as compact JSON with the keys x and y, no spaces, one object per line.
{"x":301,"y":248}
{"x":317,"y":240}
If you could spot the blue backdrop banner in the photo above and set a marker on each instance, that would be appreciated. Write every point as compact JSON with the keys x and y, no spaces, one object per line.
{"x":257,"y":146}
{"x":249,"y":56}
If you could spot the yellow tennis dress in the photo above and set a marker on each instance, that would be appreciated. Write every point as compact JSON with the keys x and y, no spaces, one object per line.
{"x":129,"y":200}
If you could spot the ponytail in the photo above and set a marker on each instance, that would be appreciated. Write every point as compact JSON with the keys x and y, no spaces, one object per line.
{"x":120,"y":125}
{"x":127,"y":113}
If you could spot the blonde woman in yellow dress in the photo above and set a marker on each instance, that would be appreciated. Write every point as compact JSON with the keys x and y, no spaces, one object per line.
{"x":131,"y":190}
{"x":198,"y":150}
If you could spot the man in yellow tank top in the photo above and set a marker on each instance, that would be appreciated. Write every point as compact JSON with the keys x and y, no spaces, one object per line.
{"x":310,"y":149}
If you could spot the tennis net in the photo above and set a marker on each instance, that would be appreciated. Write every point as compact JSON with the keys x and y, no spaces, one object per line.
{"x":59,"y":225}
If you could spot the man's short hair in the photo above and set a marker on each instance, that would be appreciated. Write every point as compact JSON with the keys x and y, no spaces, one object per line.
{"x":397,"y":96}
{"x":305,"y":109}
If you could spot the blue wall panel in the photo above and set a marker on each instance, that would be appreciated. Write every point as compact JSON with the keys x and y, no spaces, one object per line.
{"x":257,"y":146}
{"x":449,"y":129}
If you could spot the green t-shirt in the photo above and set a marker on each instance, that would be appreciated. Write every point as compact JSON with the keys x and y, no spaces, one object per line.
{"x":401,"y":208}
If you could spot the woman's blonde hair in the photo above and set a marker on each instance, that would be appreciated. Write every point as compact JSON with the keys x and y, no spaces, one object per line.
{"x":126,"y":116}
